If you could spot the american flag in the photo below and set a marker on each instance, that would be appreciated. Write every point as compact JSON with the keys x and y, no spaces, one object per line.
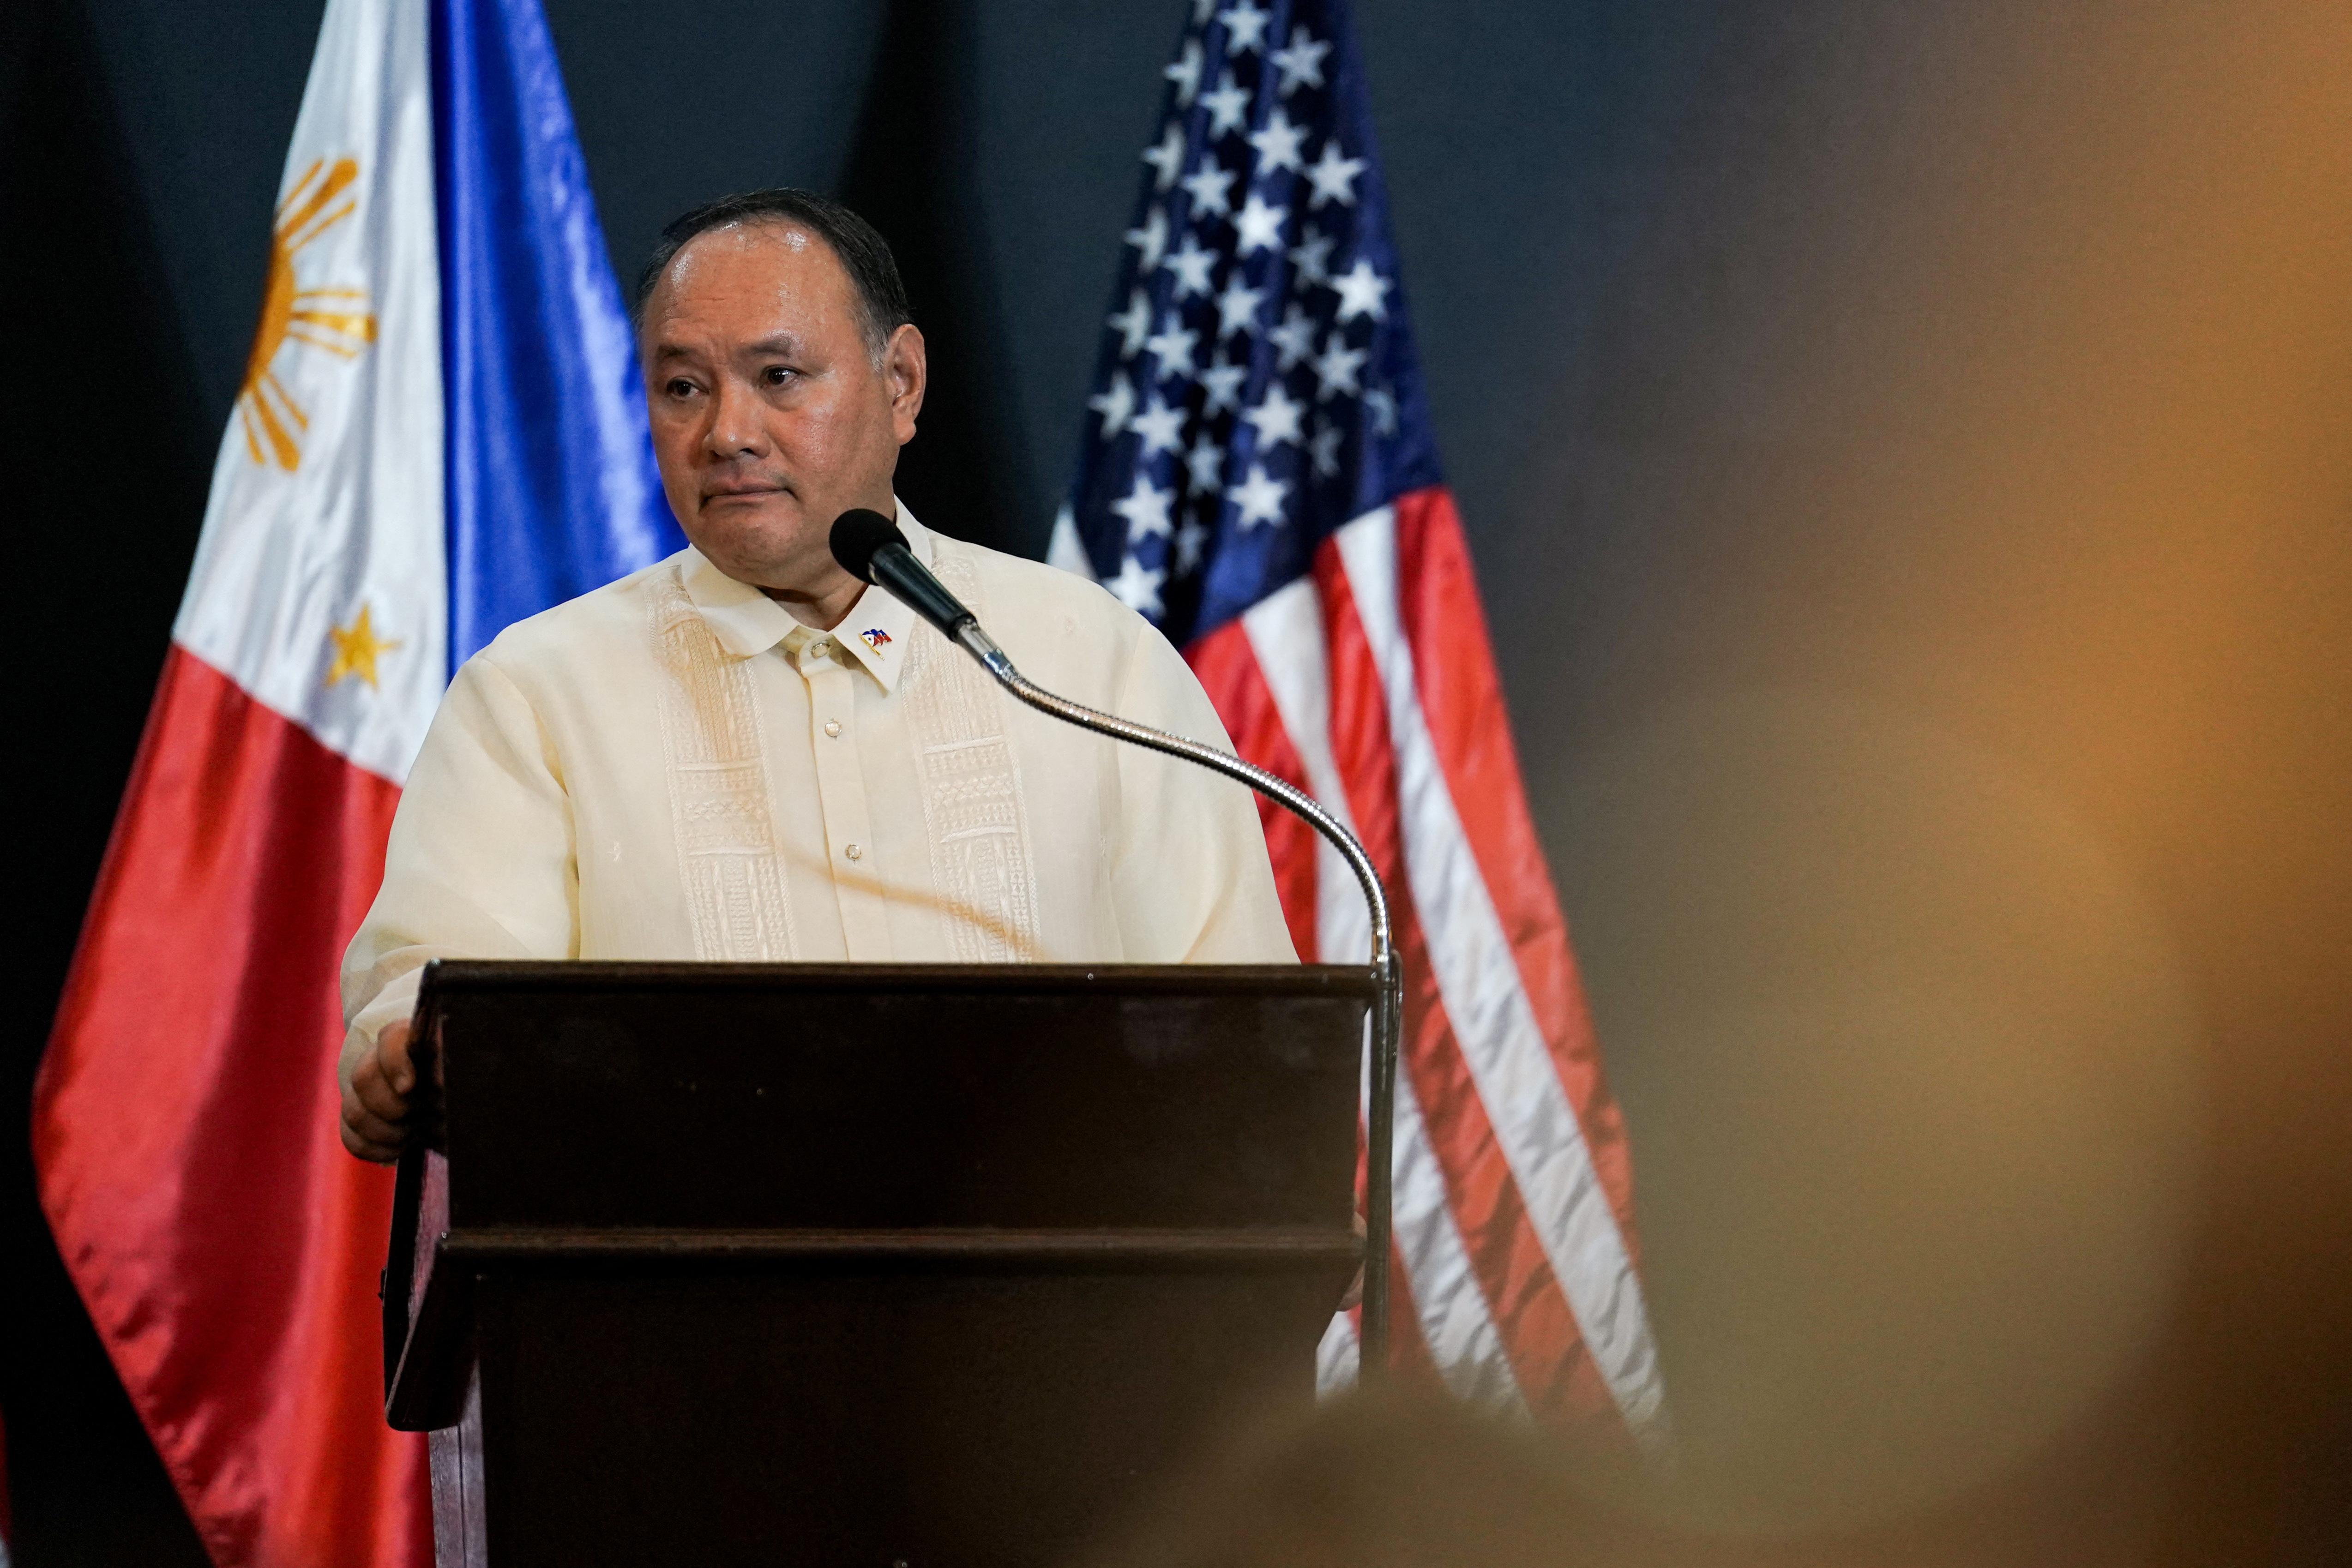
{"x":1259,"y":478}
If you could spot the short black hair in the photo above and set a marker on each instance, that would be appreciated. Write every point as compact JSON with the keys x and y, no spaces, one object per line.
{"x":864,"y":254}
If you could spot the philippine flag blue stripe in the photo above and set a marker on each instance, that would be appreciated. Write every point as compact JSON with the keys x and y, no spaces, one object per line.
{"x":552,"y":485}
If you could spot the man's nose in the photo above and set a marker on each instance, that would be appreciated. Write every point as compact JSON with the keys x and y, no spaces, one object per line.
{"x":736,"y":429}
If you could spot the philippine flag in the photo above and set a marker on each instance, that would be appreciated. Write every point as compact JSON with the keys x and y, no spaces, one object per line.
{"x":440,"y":430}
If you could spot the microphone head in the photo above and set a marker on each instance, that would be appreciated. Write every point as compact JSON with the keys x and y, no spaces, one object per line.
{"x":856,"y":535}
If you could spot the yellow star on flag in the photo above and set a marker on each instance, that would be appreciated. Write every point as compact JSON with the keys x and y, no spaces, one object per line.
{"x":356,"y":647}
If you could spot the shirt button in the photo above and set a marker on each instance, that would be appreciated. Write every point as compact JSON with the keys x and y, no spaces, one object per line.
{"x":833,"y":727}
{"x":821,"y":650}
{"x":853,"y":853}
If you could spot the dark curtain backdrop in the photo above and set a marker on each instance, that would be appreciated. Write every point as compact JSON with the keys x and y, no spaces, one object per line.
{"x":1905,"y":456}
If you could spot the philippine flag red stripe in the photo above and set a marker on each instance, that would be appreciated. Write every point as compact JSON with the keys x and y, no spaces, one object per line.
{"x":184,"y":1125}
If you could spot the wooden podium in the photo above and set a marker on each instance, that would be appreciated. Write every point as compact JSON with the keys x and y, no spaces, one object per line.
{"x":886,"y":1266}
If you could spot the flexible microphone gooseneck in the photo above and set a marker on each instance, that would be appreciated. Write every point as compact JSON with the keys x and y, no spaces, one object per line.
{"x":870,"y":547}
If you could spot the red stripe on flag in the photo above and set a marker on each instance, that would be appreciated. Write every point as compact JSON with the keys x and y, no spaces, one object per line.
{"x":1530,"y":1311}
{"x":1227,"y":670}
{"x":1462,"y":701}
{"x":184,"y":1127}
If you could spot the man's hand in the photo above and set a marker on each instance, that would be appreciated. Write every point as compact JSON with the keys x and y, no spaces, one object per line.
{"x":383,"y":1111}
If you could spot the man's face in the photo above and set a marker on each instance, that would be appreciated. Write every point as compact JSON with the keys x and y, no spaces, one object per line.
{"x":771,"y":417}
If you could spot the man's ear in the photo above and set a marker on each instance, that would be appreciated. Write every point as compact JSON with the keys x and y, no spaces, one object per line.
{"x":907,"y":372}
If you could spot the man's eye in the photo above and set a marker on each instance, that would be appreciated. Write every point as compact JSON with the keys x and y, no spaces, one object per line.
{"x":777,"y":375}
{"x":680,"y":388}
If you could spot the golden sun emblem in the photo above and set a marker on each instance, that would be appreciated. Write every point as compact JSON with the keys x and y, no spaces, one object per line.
{"x":335,"y":320}
{"x":357,"y":648}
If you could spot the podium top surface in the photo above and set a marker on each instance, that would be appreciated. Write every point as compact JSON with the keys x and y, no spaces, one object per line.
{"x":447,"y":979}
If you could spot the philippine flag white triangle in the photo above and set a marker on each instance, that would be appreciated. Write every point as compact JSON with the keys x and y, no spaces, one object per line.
{"x":320,"y":585}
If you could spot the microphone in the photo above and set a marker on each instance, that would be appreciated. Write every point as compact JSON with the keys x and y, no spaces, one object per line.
{"x":870,"y":547}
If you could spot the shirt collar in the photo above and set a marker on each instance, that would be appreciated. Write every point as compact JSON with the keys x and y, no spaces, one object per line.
{"x":746,"y":621}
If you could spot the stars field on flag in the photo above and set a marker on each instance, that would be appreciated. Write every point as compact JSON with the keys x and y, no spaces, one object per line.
{"x":1256,"y":386}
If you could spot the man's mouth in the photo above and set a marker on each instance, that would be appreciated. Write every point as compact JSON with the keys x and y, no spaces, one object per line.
{"x":739,"y":492}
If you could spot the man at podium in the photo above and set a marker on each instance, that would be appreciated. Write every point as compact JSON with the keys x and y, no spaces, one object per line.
{"x":745,"y":753}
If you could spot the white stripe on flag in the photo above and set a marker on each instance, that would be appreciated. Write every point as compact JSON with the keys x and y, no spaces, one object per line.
{"x":1334,"y":1360}
{"x":1287,"y":637}
{"x":1064,"y":549}
{"x":1485,"y":996}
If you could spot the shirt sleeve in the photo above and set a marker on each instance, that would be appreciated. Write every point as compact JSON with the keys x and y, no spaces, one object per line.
{"x":1191,"y":883}
{"x":480,"y":860}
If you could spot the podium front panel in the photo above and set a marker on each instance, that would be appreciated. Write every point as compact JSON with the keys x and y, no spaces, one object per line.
{"x":858,"y":1096}
{"x":873,"y":1265}
{"x":978,"y":1420}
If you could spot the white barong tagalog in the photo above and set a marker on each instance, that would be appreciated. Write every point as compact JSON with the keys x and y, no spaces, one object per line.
{"x":674,"y":768}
